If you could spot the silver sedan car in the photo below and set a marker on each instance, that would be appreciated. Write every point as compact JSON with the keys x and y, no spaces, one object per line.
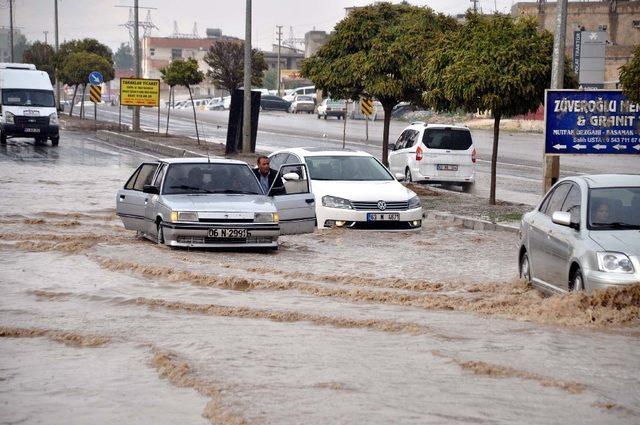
{"x":197,"y":202}
{"x":584,"y":235}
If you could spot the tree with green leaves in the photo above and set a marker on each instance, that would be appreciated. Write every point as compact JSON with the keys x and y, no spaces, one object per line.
{"x":372,"y":53}
{"x":630,"y":76}
{"x":226,"y":65}
{"x":496,"y":63}
{"x":77,"y":68}
{"x":42,"y":56}
{"x":270,"y":79}
{"x":123,"y":58}
{"x":183,"y":73}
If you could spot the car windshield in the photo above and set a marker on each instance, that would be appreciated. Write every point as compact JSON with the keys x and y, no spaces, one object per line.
{"x":202,"y":178}
{"x":27,"y":97}
{"x":614,"y":208}
{"x":447,"y":138}
{"x":350,"y":168}
{"x":304,"y":99}
{"x":335,"y":103}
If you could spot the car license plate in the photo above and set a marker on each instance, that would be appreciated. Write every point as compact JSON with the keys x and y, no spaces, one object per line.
{"x":447,"y":167}
{"x":32,"y":130}
{"x":383,"y":217}
{"x":228,"y":233}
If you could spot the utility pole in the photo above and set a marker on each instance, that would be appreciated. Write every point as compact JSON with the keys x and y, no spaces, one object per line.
{"x":11,"y":27}
{"x":475,"y":5}
{"x":55,"y":8}
{"x":46,"y":41}
{"x":552,"y":162}
{"x":136,"y":51}
{"x":246,"y":111}
{"x":279,"y":44}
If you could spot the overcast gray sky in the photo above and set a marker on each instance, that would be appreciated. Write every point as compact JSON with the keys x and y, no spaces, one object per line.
{"x":100,"y":19}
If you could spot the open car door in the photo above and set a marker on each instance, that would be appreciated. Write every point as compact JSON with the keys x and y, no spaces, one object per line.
{"x":294,"y":201}
{"x":131,"y":200}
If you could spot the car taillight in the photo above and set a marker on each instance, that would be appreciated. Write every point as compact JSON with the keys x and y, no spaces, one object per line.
{"x":419,"y":154}
{"x":473,"y":156}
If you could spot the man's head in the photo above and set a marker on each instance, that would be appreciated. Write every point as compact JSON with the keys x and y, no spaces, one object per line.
{"x":263,"y":165}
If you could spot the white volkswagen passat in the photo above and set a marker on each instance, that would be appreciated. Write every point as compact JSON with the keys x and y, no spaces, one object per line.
{"x":353,"y":189}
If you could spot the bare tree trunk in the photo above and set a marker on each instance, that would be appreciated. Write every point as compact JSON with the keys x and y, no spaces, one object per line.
{"x":195,"y":120}
{"x":73,"y":100}
{"x":388,"y":107}
{"x":494,"y":156}
{"x":84,"y":89}
{"x":166,"y":134}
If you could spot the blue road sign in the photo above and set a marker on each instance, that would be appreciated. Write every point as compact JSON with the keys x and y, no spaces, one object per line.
{"x":96,"y":78}
{"x":591,"y":122}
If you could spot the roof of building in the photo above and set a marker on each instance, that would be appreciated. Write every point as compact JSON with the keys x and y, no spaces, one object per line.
{"x":185,"y":43}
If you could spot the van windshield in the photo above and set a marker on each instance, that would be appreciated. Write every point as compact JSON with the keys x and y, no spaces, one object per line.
{"x":27,"y":97}
{"x":447,"y":138}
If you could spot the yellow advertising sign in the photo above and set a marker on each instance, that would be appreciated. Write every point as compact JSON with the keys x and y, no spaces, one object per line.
{"x":139,"y":92}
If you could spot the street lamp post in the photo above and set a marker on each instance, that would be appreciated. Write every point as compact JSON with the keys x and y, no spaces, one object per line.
{"x":246,"y":111}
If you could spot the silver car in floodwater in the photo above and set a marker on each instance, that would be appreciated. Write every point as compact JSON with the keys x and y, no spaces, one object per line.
{"x":584,"y":235}
{"x":197,"y":202}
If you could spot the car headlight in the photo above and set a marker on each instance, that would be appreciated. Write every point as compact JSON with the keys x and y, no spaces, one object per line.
{"x":8,"y":117}
{"x":614,"y":262}
{"x":335,"y":202}
{"x":53,"y":119}
{"x":266,"y":218}
{"x":414,"y":202}
{"x":184,"y":216}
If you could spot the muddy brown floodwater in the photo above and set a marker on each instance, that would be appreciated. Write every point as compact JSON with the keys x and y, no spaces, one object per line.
{"x":98,"y":326}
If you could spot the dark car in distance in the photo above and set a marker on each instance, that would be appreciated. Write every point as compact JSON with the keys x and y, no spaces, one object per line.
{"x":273,"y":103}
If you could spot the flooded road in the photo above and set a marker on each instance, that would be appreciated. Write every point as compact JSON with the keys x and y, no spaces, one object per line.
{"x":98,"y":326}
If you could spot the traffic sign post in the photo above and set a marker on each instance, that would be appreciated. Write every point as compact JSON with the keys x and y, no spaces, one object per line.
{"x":366,"y":107}
{"x":95,"y":95}
{"x":598,"y":122}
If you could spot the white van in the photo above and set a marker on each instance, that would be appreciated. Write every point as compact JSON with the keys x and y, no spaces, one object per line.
{"x":27,"y":104}
{"x":439,"y":153}
{"x":307,"y":91}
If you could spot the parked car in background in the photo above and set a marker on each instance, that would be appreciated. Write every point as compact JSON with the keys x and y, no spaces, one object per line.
{"x":302,"y":103}
{"x":226,"y":102}
{"x":439,"y":153}
{"x":356,"y":112}
{"x":307,"y":91}
{"x":270,"y":102}
{"x":198,"y":202}
{"x":215,"y":104}
{"x":583,"y":235}
{"x":353,"y":189}
{"x":332,"y":108}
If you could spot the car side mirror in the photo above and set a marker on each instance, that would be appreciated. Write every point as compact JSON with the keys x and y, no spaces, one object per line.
{"x":399,"y":177}
{"x":562,"y":218}
{"x":149,"y":188}
{"x":392,"y":146}
{"x":291,"y":176}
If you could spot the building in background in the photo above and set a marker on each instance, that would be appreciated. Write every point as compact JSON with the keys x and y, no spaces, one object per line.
{"x":619,"y":19}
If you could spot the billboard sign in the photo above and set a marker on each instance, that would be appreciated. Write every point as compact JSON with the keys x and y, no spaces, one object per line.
{"x":591,"y":122}
{"x":139,"y":92}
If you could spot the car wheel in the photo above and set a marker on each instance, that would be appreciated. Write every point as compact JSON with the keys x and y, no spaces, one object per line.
{"x":576,"y":284}
{"x":3,"y":138}
{"x":160,"y":234}
{"x":467,"y":187}
{"x":55,"y":141}
{"x":325,"y":117}
{"x":318,"y":116}
{"x":525,"y":268}
{"x":407,"y":175}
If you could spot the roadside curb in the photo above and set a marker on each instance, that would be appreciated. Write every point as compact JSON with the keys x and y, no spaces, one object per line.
{"x":469,"y":222}
{"x":147,"y":145}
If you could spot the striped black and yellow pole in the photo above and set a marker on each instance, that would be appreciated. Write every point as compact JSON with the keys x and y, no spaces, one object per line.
{"x":95,"y":95}
{"x":366,"y":107}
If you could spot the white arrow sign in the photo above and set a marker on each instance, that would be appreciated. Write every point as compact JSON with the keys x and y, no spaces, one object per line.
{"x":618,"y":147}
{"x":599,"y":147}
{"x":578,"y":147}
{"x":559,"y":146}
{"x":637,"y":147}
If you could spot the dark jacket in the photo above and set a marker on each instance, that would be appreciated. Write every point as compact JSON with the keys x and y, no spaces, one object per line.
{"x":272,"y":175}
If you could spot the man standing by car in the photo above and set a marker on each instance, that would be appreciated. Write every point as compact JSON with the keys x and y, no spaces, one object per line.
{"x":265,"y":174}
